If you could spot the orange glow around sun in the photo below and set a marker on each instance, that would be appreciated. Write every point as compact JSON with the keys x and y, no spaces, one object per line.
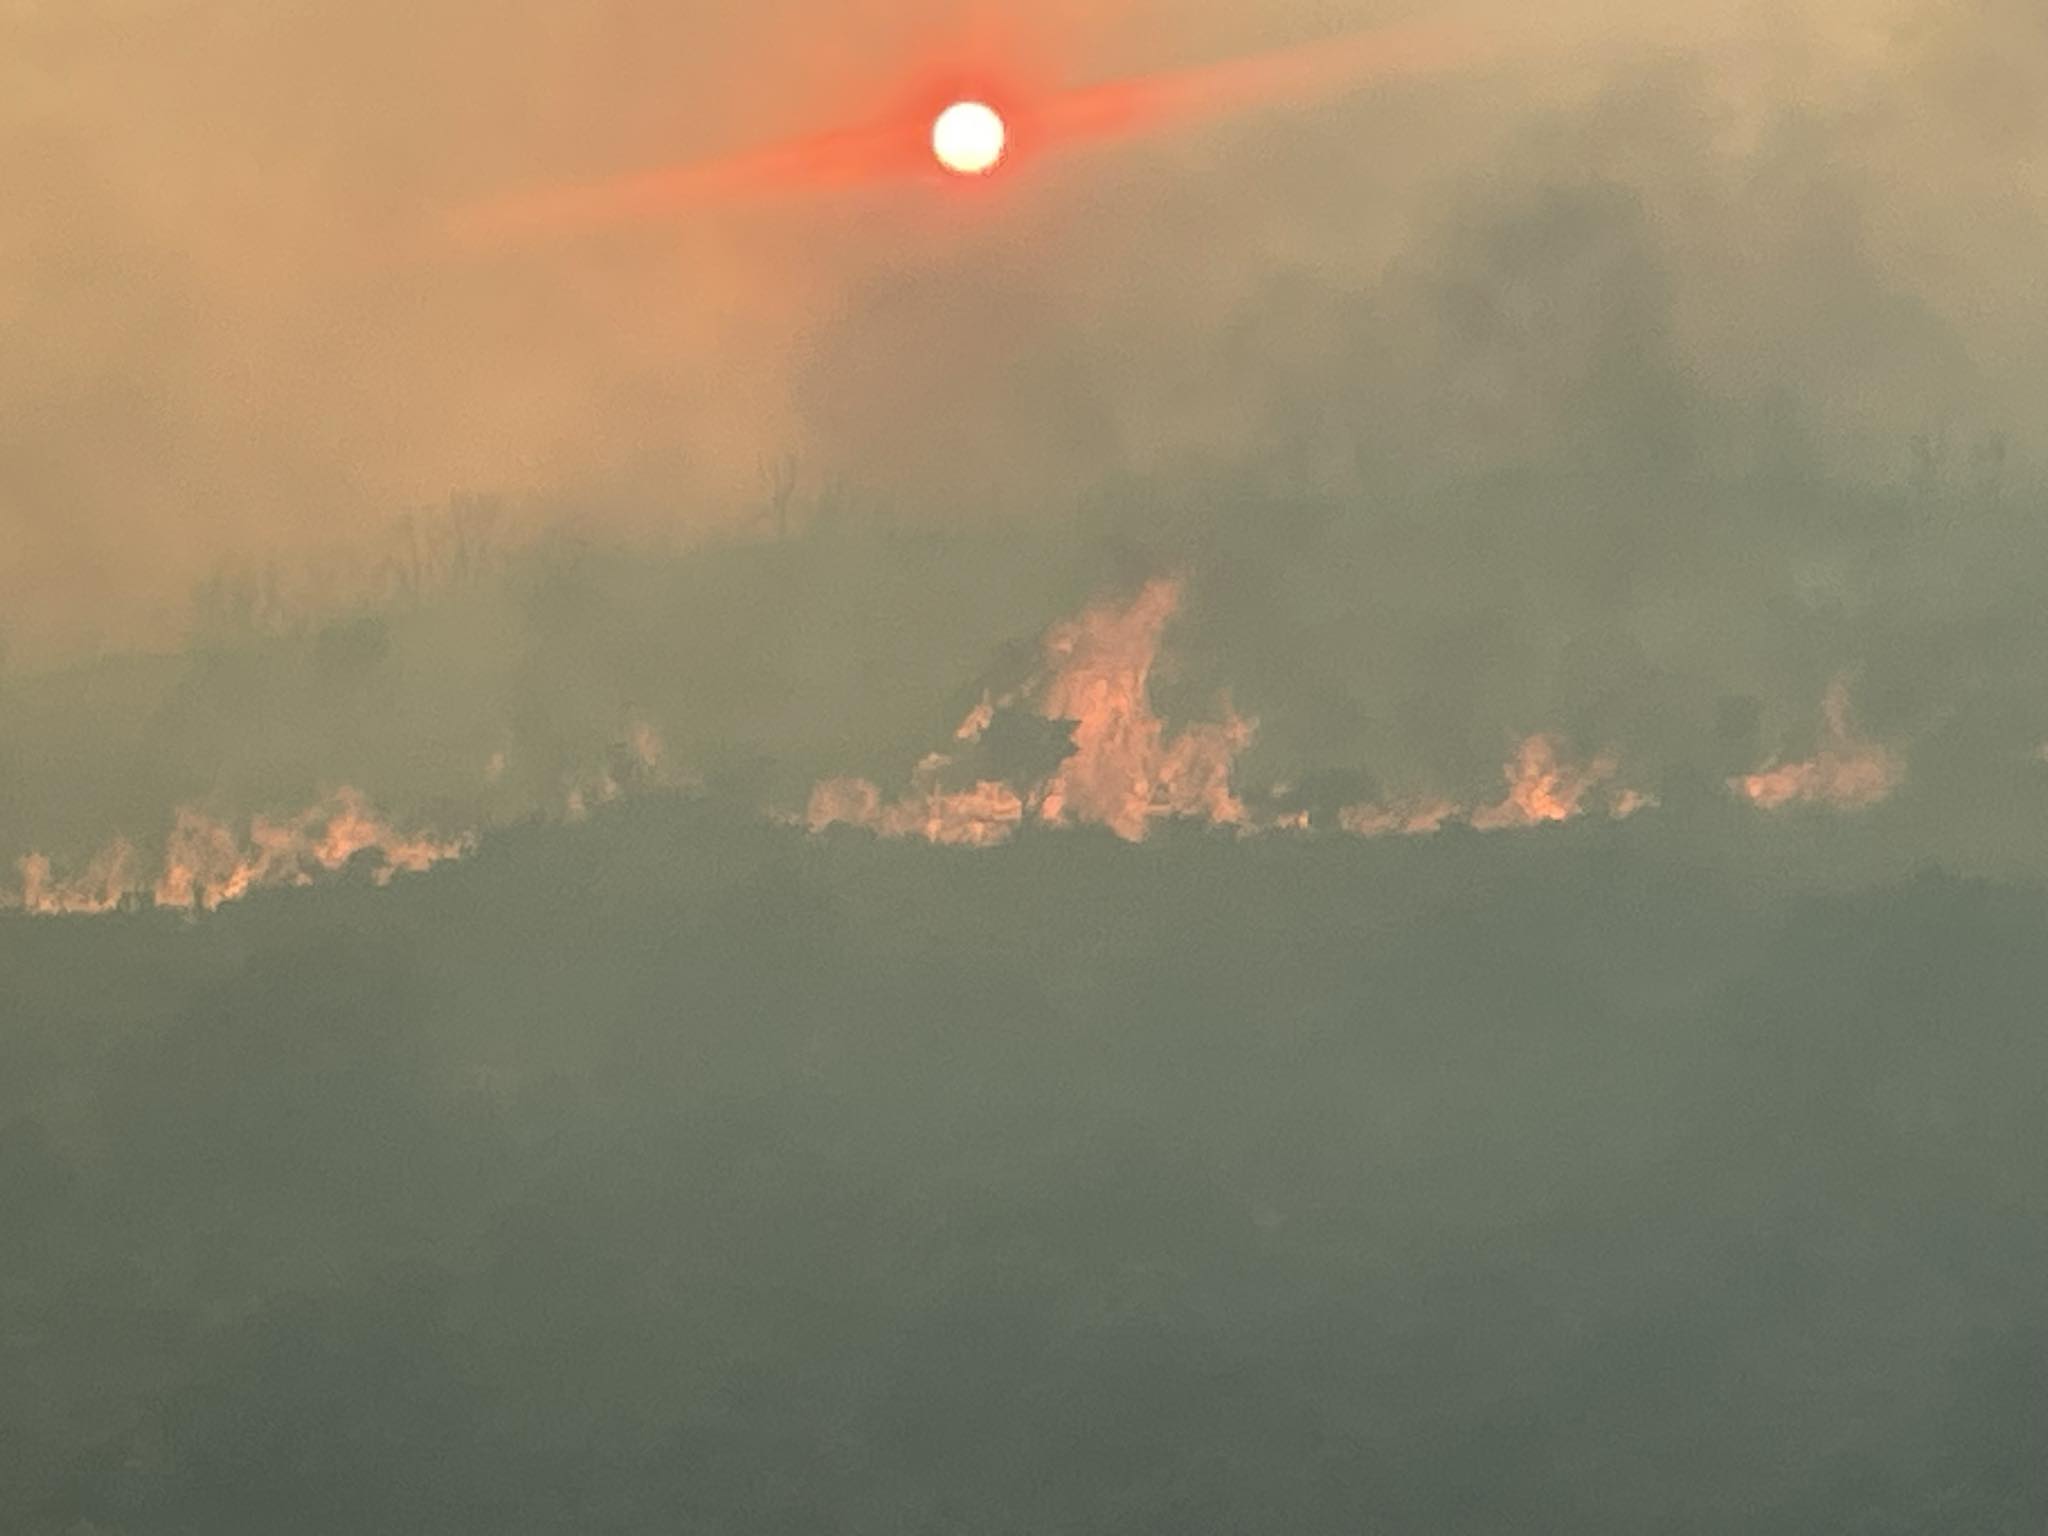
{"x":949,"y":115}
{"x":968,"y":138}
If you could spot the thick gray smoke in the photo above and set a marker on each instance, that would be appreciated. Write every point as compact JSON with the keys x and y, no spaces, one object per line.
{"x":1634,"y":380}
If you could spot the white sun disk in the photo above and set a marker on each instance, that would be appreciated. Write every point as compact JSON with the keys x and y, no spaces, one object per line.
{"x":968,"y":138}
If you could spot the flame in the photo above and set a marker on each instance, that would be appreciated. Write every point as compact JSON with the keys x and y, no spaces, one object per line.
{"x":983,"y":715}
{"x":353,"y":828}
{"x":1409,"y":818}
{"x":979,"y":817}
{"x":844,"y":802}
{"x":1124,"y":772}
{"x":1846,"y":773}
{"x":1542,"y":787}
{"x":975,"y":818}
{"x":206,"y":864}
{"x":1624,"y":803}
{"x":645,"y":743}
{"x":1107,"y":759}
{"x":101,"y":886}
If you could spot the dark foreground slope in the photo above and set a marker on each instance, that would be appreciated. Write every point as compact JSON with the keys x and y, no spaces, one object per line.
{"x":670,"y":1174}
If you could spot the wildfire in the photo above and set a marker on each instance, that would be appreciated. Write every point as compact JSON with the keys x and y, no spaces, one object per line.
{"x":635,"y":762}
{"x":979,"y":817}
{"x":1074,"y":741}
{"x":1122,"y":770}
{"x":1543,"y":787}
{"x":207,"y":864}
{"x":101,"y":886}
{"x":1624,"y":803}
{"x":1847,"y":773}
{"x":1124,"y":773}
{"x":1409,"y":818}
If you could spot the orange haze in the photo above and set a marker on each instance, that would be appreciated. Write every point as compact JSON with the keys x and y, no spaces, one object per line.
{"x":896,"y":144}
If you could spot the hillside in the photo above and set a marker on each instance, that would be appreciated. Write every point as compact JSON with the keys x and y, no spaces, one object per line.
{"x":674,"y":1171}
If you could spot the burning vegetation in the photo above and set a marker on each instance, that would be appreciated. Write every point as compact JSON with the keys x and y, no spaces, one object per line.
{"x":1071,"y":739}
{"x":1120,"y":766}
{"x":1847,"y":772}
{"x":207,"y":862}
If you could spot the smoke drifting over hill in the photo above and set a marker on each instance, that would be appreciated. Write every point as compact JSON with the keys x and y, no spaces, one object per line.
{"x":1621,"y":260}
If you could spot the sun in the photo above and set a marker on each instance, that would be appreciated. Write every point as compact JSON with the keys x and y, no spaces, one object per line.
{"x":968,"y":138}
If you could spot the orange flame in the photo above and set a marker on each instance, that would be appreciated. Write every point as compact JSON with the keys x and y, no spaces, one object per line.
{"x":101,"y":886}
{"x":979,"y":817}
{"x":979,"y":719}
{"x":1624,"y":803}
{"x":1847,"y":773}
{"x":1542,"y":787}
{"x":206,"y":864}
{"x":1124,"y":771}
{"x":844,"y":802}
{"x":1409,"y":818}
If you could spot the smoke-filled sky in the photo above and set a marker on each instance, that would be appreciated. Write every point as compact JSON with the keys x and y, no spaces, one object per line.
{"x":1647,"y":380}
{"x":1647,"y":244}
